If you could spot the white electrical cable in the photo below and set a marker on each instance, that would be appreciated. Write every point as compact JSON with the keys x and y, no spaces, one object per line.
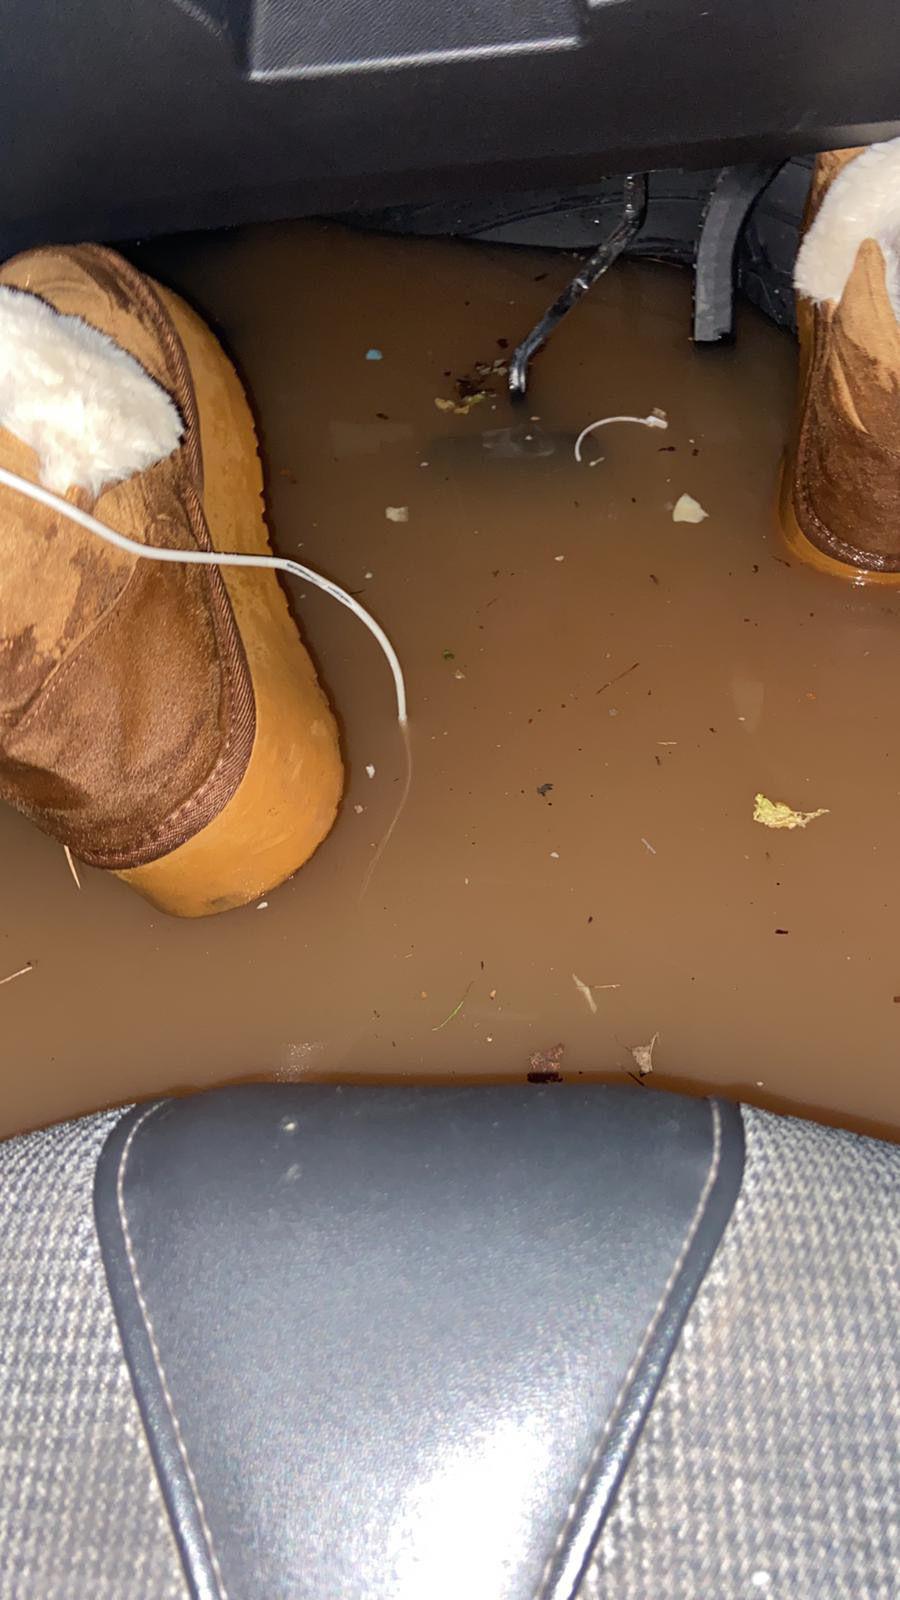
{"x":643,"y":422}
{"x":215,"y":558}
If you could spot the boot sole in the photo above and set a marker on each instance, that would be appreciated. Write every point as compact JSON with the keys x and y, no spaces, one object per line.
{"x":803,"y":548}
{"x":287,"y":800}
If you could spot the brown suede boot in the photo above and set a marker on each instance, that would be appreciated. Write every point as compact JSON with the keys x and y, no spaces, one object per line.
{"x":841,"y":483}
{"x":163,"y":721}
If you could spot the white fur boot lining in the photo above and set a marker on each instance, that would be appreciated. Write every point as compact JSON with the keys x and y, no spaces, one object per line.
{"x":86,"y":407}
{"x":862,"y":203}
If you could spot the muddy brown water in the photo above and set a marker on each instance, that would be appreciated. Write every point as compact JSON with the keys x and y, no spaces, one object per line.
{"x":597,"y":694}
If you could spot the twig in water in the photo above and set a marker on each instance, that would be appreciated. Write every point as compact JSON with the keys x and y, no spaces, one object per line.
{"x":72,"y":867}
{"x":456,"y":1010}
{"x":618,"y":677}
{"x":585,"y":990}
{"x":20,"y":974}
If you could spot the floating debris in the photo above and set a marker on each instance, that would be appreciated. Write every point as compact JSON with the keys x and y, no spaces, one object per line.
{"x":456,"y":1009}
{"x":618,"y":678}
{"x":72,"y":867}
{"x":460,"y":408}
{"x":588,"y":991}
{"x":687,"y":509}
{"x":397,"y":513}
{"x":642,"y":1055}
{"x":585,"y":990}
{"x":374,"y":355}
{"x":263,"y":905}
{"x":545,"y":1065}
{"x":488,"y":369}
{"x":29,"y":967}
{"x":648,"y":846}
{"x":657,"y":419}
{"x":370,"y":770}
{"x":775,"y":814}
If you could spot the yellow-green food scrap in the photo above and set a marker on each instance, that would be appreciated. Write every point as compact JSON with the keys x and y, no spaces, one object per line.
{"x":775,"y":814}
{"x":462,"y":407}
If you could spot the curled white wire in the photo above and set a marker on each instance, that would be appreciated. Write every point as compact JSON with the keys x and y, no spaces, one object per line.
{"x":215,"y":558}
{"x":602,"y":422}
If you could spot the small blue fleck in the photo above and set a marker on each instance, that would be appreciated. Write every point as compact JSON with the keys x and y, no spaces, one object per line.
{"x":373,"y":355}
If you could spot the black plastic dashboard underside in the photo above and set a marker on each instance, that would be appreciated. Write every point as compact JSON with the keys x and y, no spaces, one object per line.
{"x":125,"y":117}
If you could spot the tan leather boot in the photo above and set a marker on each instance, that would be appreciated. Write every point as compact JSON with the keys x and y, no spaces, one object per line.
{"x":163,"y":721}
{"x":840,"y":495}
